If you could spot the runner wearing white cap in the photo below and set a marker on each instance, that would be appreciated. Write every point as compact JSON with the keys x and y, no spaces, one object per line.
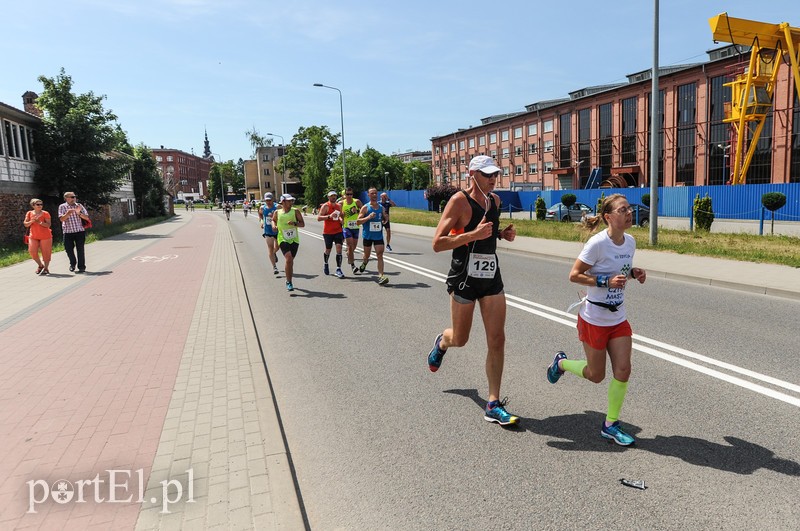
{"x":285,"y":221}
{"x":470,"y":227}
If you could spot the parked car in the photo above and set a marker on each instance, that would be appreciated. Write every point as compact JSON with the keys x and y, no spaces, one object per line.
{"x":643,"y":214}
{"x":574,"y":213}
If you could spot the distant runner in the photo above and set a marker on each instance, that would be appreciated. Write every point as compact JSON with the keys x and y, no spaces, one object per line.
{"x":372,"y":217}
{"x":331,"y":215}
{"x":286,"y":220}
{"x":270,"y":235}
{"x":350,"y":209}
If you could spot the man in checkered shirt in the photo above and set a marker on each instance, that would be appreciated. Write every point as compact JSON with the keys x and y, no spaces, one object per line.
{"x":71,"y":213}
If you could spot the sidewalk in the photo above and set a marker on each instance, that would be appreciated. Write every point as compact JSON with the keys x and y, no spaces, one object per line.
{"x":146,"y":373}
{"x":768,"y":279}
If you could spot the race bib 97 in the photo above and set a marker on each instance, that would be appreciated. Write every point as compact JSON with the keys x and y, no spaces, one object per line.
{"x":289,"y":234}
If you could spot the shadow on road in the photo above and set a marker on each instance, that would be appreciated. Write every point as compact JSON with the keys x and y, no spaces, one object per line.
{"x":408,"y":286}
{"x":316,"y":294}
{"x":130,"y":236}
{"x":580,"y":431}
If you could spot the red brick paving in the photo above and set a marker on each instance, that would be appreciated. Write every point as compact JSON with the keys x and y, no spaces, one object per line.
{"x":87,"y":378}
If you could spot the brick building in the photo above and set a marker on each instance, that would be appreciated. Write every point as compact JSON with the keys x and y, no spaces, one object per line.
{"x":185,"y":175}
{"x":555,"y":144}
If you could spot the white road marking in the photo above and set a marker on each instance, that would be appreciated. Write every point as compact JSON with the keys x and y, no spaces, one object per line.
{"x":640,"y":342}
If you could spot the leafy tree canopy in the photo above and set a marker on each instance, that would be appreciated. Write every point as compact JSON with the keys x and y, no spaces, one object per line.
{"x":148,"y":187}
{"x":231,"y":179}
{"x":74,"y":144}
{"x":315,"y":174}
{"x":297,"y":148}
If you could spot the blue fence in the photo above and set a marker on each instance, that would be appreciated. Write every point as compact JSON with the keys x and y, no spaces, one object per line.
{"x":729,"y":202}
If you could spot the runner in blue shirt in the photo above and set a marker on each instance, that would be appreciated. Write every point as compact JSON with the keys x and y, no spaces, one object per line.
{"x":270,"y":236}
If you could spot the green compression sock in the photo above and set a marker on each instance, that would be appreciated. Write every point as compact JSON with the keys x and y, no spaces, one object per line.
{"x":616,"y":396}
{"x":574,"y":366}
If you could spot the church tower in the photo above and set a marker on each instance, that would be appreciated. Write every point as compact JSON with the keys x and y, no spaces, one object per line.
{"x":207,"y":147}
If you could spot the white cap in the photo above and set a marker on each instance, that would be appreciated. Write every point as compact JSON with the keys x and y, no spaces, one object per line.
{"x":287,"y":197}
{"x":332,"y":193}
{"x":267,"y":196}
{"x":483,"y":163}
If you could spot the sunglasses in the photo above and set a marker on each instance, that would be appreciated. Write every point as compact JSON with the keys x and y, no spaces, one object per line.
{"x":38,"y":204}
{"x":490,"y":175}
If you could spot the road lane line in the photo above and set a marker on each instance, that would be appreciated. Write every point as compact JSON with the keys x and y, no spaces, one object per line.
{"x":569,"y":319}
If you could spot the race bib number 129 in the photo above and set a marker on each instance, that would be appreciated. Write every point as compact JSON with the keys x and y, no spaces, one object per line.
{"x":482,"y":265}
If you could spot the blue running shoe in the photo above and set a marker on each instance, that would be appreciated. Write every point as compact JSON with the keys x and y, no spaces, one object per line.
{"x":553,"y":372}
{"x":498,"y":413}
{"x":339,"y":273}
{"x":388,"y":247}
{"x":436,"y":355}
{"x":326,"y":269}
{"x":615,"y":433}
{"x":289,"y":286}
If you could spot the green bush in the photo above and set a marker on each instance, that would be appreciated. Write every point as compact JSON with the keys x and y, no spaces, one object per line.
{"x":541,"y":208}
{"x":703,"y":213}
{"x":646,"y":200}
{"x":568,"y":200}
{"x":772,"y":201}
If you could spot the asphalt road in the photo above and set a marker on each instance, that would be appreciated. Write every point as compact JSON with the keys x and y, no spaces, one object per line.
{"x":379,"y":442}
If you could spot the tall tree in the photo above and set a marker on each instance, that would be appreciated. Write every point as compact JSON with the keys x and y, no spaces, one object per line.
{"x":297,"y":148}
{"x":148,"y":187}
{"x":229,"y":177}
{"x":315,"y":174}
{"x":74,"y":141}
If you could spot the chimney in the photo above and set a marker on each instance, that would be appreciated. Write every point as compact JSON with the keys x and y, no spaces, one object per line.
{"x":29,"y":103}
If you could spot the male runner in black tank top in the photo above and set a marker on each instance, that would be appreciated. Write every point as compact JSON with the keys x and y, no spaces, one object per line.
{"x":470,"y":227}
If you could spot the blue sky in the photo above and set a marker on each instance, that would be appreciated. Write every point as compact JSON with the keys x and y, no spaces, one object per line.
{"x":408,"y":71}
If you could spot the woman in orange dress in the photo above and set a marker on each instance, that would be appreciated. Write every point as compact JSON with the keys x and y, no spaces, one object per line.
{"x":41,"y":237}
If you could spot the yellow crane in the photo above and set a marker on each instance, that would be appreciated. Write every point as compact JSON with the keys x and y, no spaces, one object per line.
{"x":752,"y":89}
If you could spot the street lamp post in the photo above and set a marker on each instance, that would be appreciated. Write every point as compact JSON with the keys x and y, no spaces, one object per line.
{"x":386,"y":175}
{"x":578,"y":174}
{"x":283,"y":161}
{"x":414,"y":171}
{"x":341,"y":114}
{"x":726,"y":169}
